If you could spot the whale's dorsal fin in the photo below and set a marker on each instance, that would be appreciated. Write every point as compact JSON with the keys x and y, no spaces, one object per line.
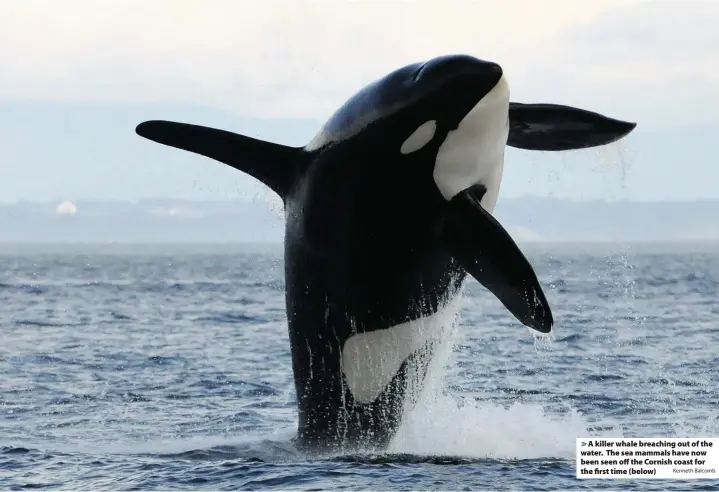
{"x":277,"y":166}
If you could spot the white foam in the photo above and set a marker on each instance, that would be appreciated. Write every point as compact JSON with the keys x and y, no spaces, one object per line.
{"x":450,"y":426}
{"x":443,"y":424}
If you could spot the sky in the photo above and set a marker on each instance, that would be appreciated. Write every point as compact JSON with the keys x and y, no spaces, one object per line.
{"x":70,"y":68}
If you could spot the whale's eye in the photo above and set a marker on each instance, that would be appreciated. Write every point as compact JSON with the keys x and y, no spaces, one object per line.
{"x":419,"y":138}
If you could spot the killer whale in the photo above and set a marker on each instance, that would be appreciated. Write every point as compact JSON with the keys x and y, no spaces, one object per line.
{"x":387,"y":210}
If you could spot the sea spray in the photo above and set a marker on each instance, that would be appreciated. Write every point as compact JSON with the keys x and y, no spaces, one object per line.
{"x":443,"y":424}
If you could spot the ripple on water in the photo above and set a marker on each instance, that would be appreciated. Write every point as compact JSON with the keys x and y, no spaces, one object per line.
{"x":172,"y":371}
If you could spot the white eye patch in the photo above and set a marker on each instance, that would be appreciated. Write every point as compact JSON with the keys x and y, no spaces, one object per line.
{"x":421,"y":137}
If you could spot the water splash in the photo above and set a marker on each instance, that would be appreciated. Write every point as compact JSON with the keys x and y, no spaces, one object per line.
{"x":443,"y":424}
{"x":451,"y":426}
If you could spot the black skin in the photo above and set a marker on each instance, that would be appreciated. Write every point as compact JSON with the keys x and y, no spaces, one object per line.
{"x":370,"y":242}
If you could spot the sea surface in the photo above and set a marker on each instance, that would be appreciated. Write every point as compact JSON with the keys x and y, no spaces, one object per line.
{"x":168,"y":367}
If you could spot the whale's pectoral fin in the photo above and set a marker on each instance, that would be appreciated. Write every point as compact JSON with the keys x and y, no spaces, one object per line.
{"x":488,"y":253}
{"x":275,"y":165}
{"x":556,"y":127}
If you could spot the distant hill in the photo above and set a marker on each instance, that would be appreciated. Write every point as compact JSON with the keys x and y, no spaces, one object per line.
{"x":178,"y":221}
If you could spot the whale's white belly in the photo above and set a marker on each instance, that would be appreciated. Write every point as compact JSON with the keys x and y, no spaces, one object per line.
{"x":372,"y":359}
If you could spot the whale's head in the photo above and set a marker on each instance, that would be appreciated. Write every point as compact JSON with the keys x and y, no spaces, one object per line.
{"x":451,"y":111}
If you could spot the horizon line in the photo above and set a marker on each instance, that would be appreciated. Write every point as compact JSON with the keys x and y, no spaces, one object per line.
{"x":256,"y":199}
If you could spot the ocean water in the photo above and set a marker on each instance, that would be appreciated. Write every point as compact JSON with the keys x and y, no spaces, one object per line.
{"x":154,"y":367}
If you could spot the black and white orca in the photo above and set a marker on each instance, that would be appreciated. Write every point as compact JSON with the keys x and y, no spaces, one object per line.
{"x":387,"y":210}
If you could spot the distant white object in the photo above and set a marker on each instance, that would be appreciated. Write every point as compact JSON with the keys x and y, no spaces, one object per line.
{"x":66,"y":208}
{"x":179,"y":213}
